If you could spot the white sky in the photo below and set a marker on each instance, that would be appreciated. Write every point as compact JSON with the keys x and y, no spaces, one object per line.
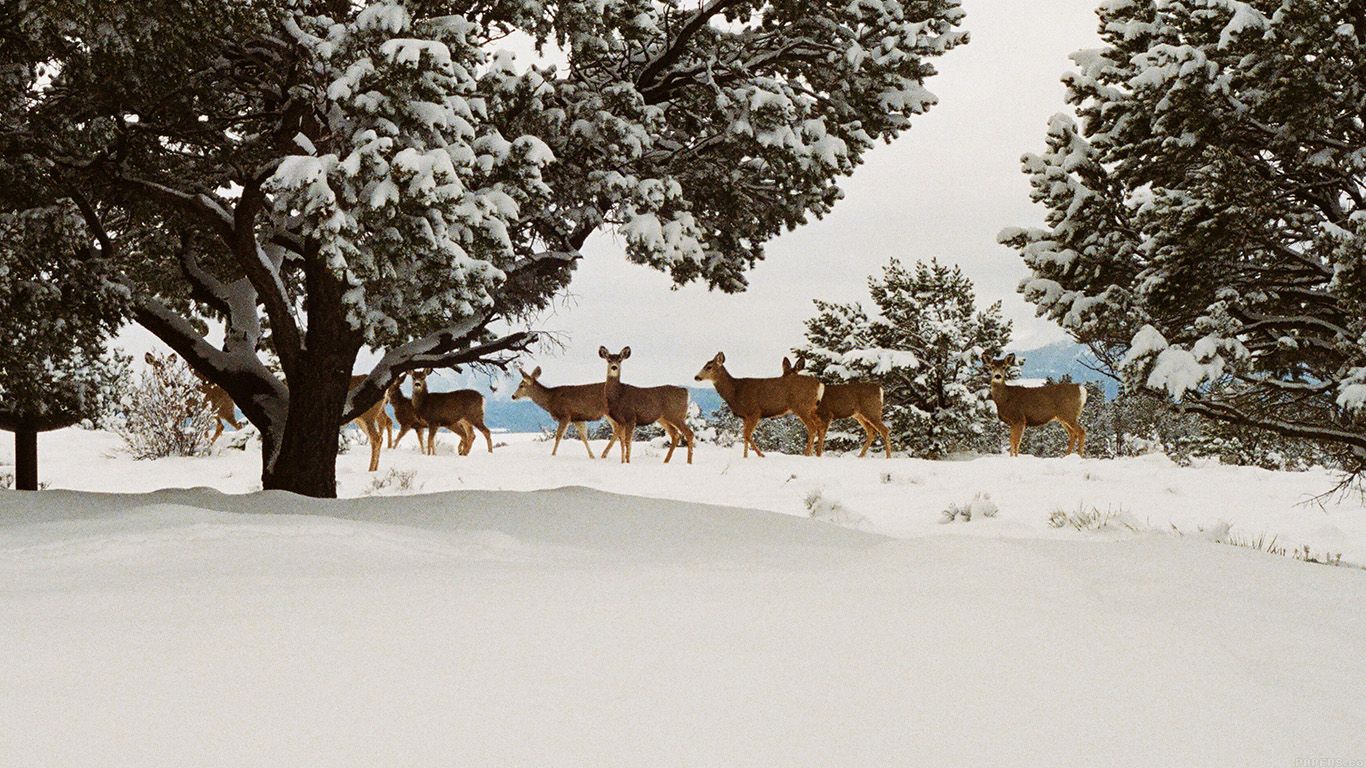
{"x":944,"y":188}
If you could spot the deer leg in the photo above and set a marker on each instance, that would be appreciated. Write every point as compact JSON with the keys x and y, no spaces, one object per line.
{"x":1016,"y":432}
{"x":582,"y":427}
{"x":869,"y":434}
{"x":372,"y":432}
{"x":688,"y":436}
{"x":673,"y":440}
{"x":811,"y":430}
{"x":750,"y":424}
{"x":488,"y":436}
{"x":431,"y":440}
{"x":559,"y":433}
{"x":886,"y":436}
{"x":403,"y":430}
{"x":612,"y":437}
{"x":628,"y":433}
{"x":218,"y":430}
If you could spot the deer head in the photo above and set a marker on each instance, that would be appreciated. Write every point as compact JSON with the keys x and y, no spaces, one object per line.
{"x":712,"y":370}
{"x":614,"y":361}
{"x":999,"y":369}
{"x":528,"y":384}
{"x":420,"y":379}
{"x":789,"y":368}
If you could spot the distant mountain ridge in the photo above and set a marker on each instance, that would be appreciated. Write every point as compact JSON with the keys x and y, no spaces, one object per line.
{"x":1064,"y":359}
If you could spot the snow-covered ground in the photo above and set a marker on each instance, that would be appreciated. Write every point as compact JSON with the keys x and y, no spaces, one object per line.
{"x":631,"y":622}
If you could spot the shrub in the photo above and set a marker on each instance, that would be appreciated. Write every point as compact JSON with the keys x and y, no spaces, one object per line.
{"x":165,"y":413}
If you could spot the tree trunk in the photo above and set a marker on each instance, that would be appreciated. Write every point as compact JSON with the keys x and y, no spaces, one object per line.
{"x":305,"y":461}
{"x":26,"y":460}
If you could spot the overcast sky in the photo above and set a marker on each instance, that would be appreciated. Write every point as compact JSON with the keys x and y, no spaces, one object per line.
{"x":944,"y":188}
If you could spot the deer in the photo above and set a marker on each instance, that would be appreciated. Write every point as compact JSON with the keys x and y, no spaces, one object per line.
{"x":371,"y":422}
{"x":406,"y":415}
{"x":629,"y":406}
{"x":754,"y":399}
{"x":857,"y":400}
{"x":571,"y":403}
{"x":217,"y":398}
{"x":1022,"y":407}
{"x":449,"y":409}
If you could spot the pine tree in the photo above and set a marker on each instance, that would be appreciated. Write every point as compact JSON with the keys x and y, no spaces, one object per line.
{"x":1205,"y":224}
{"x":922,"y":344}
{"x":322,"y":176}
{"x":53,"y":370}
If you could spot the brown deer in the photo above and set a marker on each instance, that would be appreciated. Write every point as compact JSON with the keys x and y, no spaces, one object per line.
{"x":217,"y":398}
{"x":629,"y":406}
{"x":371,"y":423}
{"x":572,"y":403}
{"x":1022,"y":407}
{"x":857,"y":400}
{"x":406,"y":415}
{"x":754,"y":399}
{"x":449,"y":409}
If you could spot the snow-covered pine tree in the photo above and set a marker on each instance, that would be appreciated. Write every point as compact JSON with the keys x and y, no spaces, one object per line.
{"x":922,"y":344}
{"x":1206,"y":221}
{"x":322,"y":176}
{"x":53,"y":367}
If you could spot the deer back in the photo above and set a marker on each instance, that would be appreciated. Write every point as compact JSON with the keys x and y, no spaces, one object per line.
{"x":1035,"y":406}
{"x":768,"y":397}
{"x":219,"y":399}
{"x":576,"y":402}
{"x":444,"y":409}
{"x":627,"y":404}
{"x":842,"y":401}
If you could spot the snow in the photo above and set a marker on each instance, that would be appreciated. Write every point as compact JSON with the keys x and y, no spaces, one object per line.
{"x":509,"y":620}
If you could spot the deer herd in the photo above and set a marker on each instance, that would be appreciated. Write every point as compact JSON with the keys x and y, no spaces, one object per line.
{"x":626,"y":407}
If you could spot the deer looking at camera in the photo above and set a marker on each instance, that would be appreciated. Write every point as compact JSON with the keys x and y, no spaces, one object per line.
{"x":449,"y":409}
{"x":405,"y":413}
{"x":217,"y":398}
{"x":572,"y":403}
{"x":857,"y":400}
{"x":1022,"y":407}
{"x":754,"y":399}
{"x":372,"y":424}
{"x":629,"y":407}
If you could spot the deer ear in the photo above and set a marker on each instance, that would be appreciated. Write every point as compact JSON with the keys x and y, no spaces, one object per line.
{"x":602,"y":352}
{"x":536,"y":374}
{"x":1010,"y":359}
{"x":625,"y":352}
{"x":800,"y":366}
{"x":787,"y":366}
{"x":720,"y":358}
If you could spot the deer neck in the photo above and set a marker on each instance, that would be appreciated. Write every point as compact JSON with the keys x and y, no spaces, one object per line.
{"x":612,"y":386}
{"x":725,"y":385}
{"x":539,"y":394}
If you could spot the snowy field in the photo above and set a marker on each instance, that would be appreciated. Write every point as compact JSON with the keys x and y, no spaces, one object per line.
{"x":665,"y":616}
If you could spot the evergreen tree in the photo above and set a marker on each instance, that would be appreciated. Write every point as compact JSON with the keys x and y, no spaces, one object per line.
{"x":324,"y":176}
{"x":53,"y":370}
{"x":1205,"y":223}
{"x":921,"y":344}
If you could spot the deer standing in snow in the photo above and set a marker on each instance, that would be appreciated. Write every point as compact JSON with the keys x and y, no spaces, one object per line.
{"x":754,"y":399}
{"x":1022,"y":407}
{"x":372,"y":424}
{"x":629,"y":406}
{"x":857,"y":400}
{"x":406,"y":415}
{"x":571,"y":403}
{"x":449,"y":409}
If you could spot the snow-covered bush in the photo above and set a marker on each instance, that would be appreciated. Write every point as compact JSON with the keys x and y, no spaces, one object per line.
{"x":391,"y":482}
{"x":1091,"y":518}
{"x":164,"y":413}
{"x":786,"y":434}
{"x":980,"y":506}
{"x":922,"y":344}
{"x":828,"y":510}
